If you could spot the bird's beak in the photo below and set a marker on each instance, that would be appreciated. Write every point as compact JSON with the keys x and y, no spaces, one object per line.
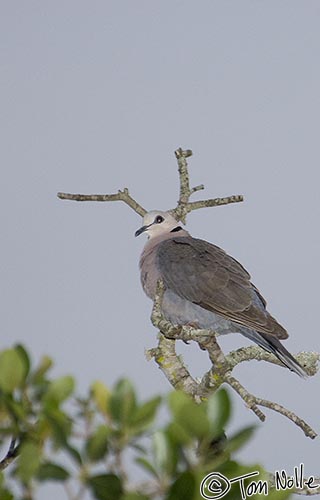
{"x":141,"y":230}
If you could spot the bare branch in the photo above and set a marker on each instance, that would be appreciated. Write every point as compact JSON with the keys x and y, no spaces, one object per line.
{"x":172,"y":366}
{"x":248,"y":398}
{"x":120,"y":196}
{"x":215,"y":202}
{"x":308,"y":492}
{"x":222,"y":366}
{"x":184,"y":206}
{"x":185,"y":190}
{"x":197,"y":188}
{"x":11,"y":455}
{"x":309,"y":360}
{"x":289,"y":414}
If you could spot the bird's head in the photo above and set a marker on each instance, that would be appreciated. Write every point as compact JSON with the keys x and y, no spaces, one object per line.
{"x":156,"y":223}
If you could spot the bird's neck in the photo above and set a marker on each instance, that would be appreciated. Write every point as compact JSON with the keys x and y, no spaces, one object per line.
{"x":155,"y":240}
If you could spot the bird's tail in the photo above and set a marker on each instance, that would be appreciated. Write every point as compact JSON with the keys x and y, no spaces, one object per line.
{"x":273,"y":345}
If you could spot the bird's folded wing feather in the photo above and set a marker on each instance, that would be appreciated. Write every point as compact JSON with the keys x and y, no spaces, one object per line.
{"x":205,"y":275}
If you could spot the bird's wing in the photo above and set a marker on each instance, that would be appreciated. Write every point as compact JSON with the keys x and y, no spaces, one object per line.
{"x":205,"y":275}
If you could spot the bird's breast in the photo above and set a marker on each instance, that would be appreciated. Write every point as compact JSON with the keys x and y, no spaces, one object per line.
{"x":149,"y":271}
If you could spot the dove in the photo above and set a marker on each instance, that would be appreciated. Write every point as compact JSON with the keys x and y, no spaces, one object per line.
{"x":206,"y":288}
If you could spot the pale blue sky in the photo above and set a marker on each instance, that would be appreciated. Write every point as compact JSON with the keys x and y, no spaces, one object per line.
{"x":96,"y":96}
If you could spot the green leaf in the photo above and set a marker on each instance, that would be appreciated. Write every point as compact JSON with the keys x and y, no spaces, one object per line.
{"x":105,"y":486}
{"x":101,"y":395}
{"x":178,"y":434}
{"x":194,"y":420}
{"x":146,"y":465}
{"x":218,"y":411}
{"x":240,"y":438}
{"x":28,"y":461}
{"x":138,"y":447}
{"x":51,"y":471}
{"x":177,"y":401}
{"x":45,"y":364}
{"x":183,"y":488}
{"x":165,"y":454}
{"x":12,"y":370}
{"x":15,"y":409}
{"x":59,"y":390}
{"x":213,"y":451}
{"x":6,"y":494}
{"x":189,"y":415}
{"x":122,"y":403}
{"x":145,"y":414}
{"x":25,"y":358}
{"x":97,"y":444}
{"x":59,"y":423}
{"x":231,"y":469}
{"x":73,"y":452}
{"x":61,"y":427}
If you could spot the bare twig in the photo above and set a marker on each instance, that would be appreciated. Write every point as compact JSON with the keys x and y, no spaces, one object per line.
{"x":11,"y":455}
{"x":119,"y":196}
{"x":184,"y":206}
{"x":180,"y":212}
{"x":185,"y":190}
{"x":248,"y":398}
{"x":309,"y":432}
{"x":308,"y":360}
{"x":308,"y":492}
{"x":215,"y":202}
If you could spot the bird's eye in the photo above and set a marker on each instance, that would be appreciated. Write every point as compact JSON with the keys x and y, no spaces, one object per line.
{"x":159,"y":219}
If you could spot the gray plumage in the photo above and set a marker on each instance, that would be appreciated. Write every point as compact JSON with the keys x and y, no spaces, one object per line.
{"x":205,"y":287}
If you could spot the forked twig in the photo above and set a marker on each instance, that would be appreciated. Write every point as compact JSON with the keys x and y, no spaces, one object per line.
{"x":183,"y":207}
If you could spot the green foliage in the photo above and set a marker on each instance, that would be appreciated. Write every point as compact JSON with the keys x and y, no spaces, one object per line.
{"x":122,"y":403}
{"x":13,"y":369}
{"x":105,"y":486}
{"x":183,"y":487}
{"x":49,"y":471}
{"x":191,"y":417}
{"x":28,"y":461}
{"x":100,"y":395}
{"x":84,"y":442}
{"x":58,"y":391}
{"x":97,"y":443}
